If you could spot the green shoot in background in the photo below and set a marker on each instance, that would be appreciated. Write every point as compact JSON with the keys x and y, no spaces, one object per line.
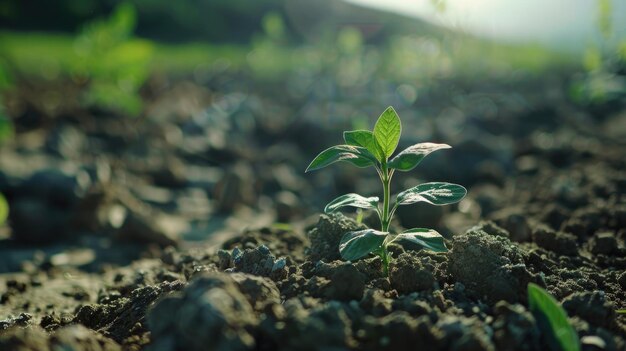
{"x":4,"y":209}
{"x":113,"y":62}
{"x":552,"y":320}
{"x":6,"y":83}
{"x":364,"y":148}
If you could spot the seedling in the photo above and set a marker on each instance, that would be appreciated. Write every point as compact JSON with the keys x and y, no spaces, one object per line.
{"x":364,"y":148}
{"x":4,"y":209}
{"x":552,"y":320}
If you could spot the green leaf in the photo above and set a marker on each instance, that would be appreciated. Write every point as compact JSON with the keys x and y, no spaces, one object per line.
{"x":353,"y":200}
{"x":436,"y":193}
{"x":366,"y":139}
{"x":621,"y":311}
{"x":355,"y":245}
{"x":6,"y":127}
{"x":424,"y":237}
{"x":4,"y":209}
{"x":356,"y":155}
{"x":387,"y":131}
{"x":552,"y":319}
{"x":413,"y":155}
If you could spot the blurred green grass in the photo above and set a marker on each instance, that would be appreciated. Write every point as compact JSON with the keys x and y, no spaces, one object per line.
{"x":50,"y":55}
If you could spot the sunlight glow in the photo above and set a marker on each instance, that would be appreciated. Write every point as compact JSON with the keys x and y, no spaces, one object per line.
{"x":561,"y":23}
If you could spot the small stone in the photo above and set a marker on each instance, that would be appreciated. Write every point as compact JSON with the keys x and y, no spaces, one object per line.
{"x":279,"y":264}
{"x":593,"y":341}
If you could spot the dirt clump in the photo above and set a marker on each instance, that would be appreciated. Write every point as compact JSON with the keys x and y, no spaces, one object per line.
{"x":489,"y":265}
{"x":591,"y":306}
{"x":343,"y":282}
{"x":559,"y":242}
{"x":604,"y":243}
{"x":409,"y":273}
{"x":326,"y":236}
{"x":282,"y":243}
{"x":123,"y":317}
{"x":74,"y":337}
{"x":462,"y":333}
{"x":396,"y":331}
{"x":307,"y":325}
{"x":259,"y":261}
{"x":514,"y":328}
{"x":259,"y":291}
{"x":211,"y":313}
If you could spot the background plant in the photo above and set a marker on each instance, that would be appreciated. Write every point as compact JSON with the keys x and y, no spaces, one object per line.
{"x":364,"y":148}
{"x":4,"y":209}
{"x":604,"y":62}
{"x":6,"y":84}
{"x":114,"y":64}
{"x":552,"y":320}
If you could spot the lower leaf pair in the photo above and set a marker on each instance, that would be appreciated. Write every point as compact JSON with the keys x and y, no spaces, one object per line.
{"x":358,"y":244}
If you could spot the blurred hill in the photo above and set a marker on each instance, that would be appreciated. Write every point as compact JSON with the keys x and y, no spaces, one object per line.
{"x":218,"y":21}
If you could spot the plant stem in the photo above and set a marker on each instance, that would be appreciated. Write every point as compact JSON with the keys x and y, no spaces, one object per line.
{"x":384,"y":256}
{"x":385,"y":218}
{"x":386,"y":179}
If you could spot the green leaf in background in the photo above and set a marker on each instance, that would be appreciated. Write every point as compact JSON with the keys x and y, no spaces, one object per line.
{"x":436,"y":193}
{"x":552,"y":320}
{"x":387,"y":131}
{"x":6,"y":126}
{"x":413,"y":155}
{"x":366,"y":139}
{"x":352,"y":200}
{"x":355,"y":245}
{"x":356,"y":155}
{"x":424,"y":237}
{"x":4,"y":209}
{"x":621,"y":311}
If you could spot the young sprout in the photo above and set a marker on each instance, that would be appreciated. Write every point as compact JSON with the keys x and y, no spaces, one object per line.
{"x":552,"y":320}
{"x":364,"y":148}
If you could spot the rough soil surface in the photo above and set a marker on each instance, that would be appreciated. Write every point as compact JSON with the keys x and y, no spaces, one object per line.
{"x":471,"y":298}
{"x":204,"y":234}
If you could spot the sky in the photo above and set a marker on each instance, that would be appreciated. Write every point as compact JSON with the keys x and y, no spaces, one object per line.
{"x":569,"y":24}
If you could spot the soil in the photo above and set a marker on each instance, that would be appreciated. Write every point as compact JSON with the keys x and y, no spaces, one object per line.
{"x":203,"y":233}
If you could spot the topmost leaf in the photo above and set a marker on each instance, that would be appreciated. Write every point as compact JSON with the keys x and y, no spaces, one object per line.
{"x":387,"y":131}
